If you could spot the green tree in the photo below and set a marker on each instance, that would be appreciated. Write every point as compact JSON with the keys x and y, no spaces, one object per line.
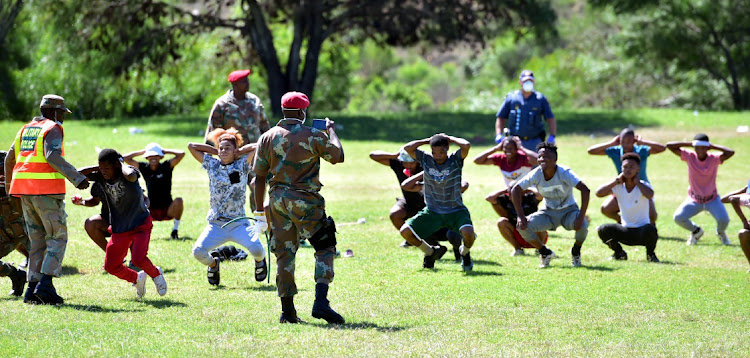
{"x":137,"y":32}
{"x":9,"y":57}
{"x":676,"y":37}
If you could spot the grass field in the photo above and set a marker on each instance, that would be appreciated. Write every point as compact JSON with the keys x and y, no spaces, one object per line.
{"x":695,"y":303}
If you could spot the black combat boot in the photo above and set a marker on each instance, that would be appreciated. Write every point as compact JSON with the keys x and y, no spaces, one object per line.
{"x":288,"y":313}
{"x":18,"y":278}
{"x":46,"y":292}
{"x":322,"y":309}
{"x":29,"y":296}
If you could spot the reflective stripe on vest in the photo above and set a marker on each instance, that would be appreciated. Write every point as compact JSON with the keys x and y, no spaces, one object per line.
{"x":32,"y":174}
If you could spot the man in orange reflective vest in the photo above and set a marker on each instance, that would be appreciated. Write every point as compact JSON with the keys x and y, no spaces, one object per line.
{"x":38,"y":171}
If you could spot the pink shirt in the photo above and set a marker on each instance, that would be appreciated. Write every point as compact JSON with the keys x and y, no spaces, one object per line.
{"x":701,"y":175}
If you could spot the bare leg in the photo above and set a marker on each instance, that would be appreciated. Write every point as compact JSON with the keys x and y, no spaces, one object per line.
{"x":745,"y":243}
{"x":175,"y":209}
{"x":96,"y":227}
{"x":652,"y":211}
{"x":610,"y":209}
{"x":506,"y":229}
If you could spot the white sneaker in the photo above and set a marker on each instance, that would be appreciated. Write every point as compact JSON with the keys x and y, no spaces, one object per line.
{"x":518,"y":252}
{"x":576,"y":262}
{"x":545,"y":260}
{"x":694,"y":237}
{"x":723,"y":238}
{"x":140,"y":285}
{"x":161,"y":283}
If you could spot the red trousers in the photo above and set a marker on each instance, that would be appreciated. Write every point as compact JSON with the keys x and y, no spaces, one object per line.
{"x":117,"y":248}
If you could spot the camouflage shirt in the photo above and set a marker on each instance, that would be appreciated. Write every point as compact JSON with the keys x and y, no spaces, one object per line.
{"x":247,"y":116}
{"x":290,"y":155}
{"x":227,"y":185}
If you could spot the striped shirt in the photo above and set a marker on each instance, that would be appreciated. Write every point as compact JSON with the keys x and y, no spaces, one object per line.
{"x":442,"y":183}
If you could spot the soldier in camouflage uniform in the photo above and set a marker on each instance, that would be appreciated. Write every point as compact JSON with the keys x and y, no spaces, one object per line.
{"x":38,"y":176}
{"x":289,"y":154}
{"x":12,"y":233}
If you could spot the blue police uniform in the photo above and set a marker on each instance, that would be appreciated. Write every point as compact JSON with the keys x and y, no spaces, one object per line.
{"x":525,"y":116}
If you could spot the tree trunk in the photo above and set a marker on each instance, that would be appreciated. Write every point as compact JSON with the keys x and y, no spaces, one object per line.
{"x":261,"y":39}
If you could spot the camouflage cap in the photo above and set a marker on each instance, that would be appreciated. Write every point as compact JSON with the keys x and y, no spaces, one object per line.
{"x":53,"y":101}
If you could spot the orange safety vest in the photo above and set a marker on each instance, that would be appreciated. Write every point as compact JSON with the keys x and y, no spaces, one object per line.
{"x":32,"y":175}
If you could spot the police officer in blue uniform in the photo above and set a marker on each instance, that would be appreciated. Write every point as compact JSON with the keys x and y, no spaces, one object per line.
{"x":523,"y":114}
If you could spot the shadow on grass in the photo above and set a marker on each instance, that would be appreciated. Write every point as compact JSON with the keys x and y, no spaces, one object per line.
{"x":164,"y":303}
{"x":97,"y":308}
{"x":264,"y":288}
{"x":358,"y":326}
{"x":593,"y":268}
{"x":69,"y":271}
{"x":482,"y":273}
{"x":486,"y":263}
{"x":670,"y":238}
{"x":181,"y":238}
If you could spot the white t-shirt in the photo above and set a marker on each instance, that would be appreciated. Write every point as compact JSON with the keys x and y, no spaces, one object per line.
{"x":633,"y":206}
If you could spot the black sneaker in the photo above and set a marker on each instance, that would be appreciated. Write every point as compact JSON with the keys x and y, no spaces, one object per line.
{"x":466,"y":263}
{"x":174,"y":235}
{"x":18,"y":278}
{"x":213,"y":275}
{"x":619,"y":256}
{"x":261,"y":271}
{"x":437,"y":253}
{"x":652,"y":258}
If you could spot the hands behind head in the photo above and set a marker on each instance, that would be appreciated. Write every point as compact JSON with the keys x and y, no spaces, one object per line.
{"x":616,"y":140}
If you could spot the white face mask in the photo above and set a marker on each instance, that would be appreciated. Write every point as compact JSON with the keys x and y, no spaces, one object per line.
{"x":528,"y":86}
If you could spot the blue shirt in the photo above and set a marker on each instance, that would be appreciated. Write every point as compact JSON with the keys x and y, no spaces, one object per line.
{"x":616,"y":152}
{"x":442,"y":183}
{"x":525,"y":114}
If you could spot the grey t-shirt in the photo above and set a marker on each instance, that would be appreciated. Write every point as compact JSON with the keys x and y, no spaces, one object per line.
{"x":127,"y":210}
{"x":442,"y":183}
{"x":558,"y":191}
{"x":227,"y":185}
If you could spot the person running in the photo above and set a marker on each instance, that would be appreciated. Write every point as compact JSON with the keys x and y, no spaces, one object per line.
{"x":555,"y":183}
{"x":289,"y":156}
{"x":633,"y":197}
{"x":738,"y":199}
{"x":514,"y":162}
{"x":12,"y":234}
{"x":158,"y":177}
{"x":227,"y":184}
{"x":442,"y":192}
{"x":627,"y":142}
{"x":702,"y":194}
{"x":130,"y":222}
{"x":411,"y":202}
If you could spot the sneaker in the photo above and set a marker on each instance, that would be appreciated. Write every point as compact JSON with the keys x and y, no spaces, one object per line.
{"x":652,"y":258}
{"x":576,"y":261}
{"x":405,"y":245}
{"x":437,"y":253}
{"x":545,"y":260}
{"x":261,"y":271}
{"x":619,"y":256}
{"x":140,"y":285}
{"x":694,"y":236}
{"x":518,"y":252}
{"x":213,"y":274}
{"x":723,"y":238}
{"x":174,"y":235}
{"x":466,"y":263}
{"x":18,"y":278}
{"x":160,"y":283}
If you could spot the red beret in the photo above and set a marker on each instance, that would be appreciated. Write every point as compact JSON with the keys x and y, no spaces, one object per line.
{"x":238,"y":75}
{"x":295,"y":100}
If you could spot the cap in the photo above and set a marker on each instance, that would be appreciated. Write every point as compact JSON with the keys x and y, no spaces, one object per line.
{"x":238,"y":75}
{"x":53,"y":101}
{"x":701,"y":140}
{"x":404,"y":156}
{"x":153,"y":149}
{"x":294,"y":100}
{"x":525,"y":75}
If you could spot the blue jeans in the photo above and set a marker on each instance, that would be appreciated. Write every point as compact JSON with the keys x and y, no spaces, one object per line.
{"x":690,"y":208}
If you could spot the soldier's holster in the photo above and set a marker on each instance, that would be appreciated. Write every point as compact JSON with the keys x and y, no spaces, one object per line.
{"x":325,"y":237}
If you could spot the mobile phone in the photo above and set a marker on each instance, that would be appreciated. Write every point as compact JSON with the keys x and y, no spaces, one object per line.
{"x":319,"y":124}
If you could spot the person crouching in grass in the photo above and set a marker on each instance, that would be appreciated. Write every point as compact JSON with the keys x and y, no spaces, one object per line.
{"x":130,"y":222}
{"x":442,"y":193}
{"x":739,"y":199}
{"x":633,"y":197}
{"x":227,"y":177}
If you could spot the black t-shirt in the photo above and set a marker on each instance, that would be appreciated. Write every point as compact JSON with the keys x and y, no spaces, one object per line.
{"x":158,"y":183}
{"x":125,"y":202}
{"x":97,"y":191}
{"x":414,"y":200}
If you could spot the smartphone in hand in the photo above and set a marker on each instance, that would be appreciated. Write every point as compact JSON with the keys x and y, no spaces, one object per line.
{"x":319,"y":124}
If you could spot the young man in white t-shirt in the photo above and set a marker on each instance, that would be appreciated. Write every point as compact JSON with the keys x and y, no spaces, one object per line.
{"x":555,"y":183}
{"x":633,"y":196}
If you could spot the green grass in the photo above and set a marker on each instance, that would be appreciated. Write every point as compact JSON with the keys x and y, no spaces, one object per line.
{"x":693,"y":304}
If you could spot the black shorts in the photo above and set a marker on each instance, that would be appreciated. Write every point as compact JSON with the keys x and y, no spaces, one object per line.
{"x":410,"y":210}
{"x":529,"y":203}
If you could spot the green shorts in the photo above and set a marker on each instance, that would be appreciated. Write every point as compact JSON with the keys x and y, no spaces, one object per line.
{"x":426,"y":222}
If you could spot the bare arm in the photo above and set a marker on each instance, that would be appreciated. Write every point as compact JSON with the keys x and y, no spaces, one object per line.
{"x":411,"y":147}
{"x":532,"y":155}
{"x":130,"y":157}
{"x":516,"y":195}
{"x":331,"y":128}
{"x":735,"y":200}
{"x":462,"y":143}
{"x":552,"y":123}
{"x":645,"y":189}
{"x":383,"y":157}
{"x":656,"y":147}
{"x":178,"y":155}
{"x":259,"y":191}
{"x":726,"y":152}
{"x":413,"y":183}
{"x":606,"y":189}
{"x":483,"y":157}
{"x":198,"y":149}
{"x":585,"y":195}
{"x":726,"y":198}
{"x":130,"y":173}
{"x":674,"y":147}
{"x":601,"y":148}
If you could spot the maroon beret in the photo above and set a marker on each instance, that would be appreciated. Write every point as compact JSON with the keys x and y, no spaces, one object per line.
{"x":295,"y":100}
{"x":238,"y":75}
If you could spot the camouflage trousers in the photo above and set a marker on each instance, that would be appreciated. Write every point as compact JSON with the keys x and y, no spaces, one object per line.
{"x":45,"y":224}
{"x":295,"y":215}
{"x":12,"y":232}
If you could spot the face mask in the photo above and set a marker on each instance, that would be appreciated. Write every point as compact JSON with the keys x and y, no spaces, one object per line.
{"x":528,"y":86}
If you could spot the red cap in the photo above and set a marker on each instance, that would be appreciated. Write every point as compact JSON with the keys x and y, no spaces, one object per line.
{"x":238,"y":75}
{"x":295,"y":100}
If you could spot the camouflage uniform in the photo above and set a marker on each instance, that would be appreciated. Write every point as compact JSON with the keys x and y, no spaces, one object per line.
{"x":289,"y":154}
{"x":247,"y":116}
{"x":45,"y":214}
{"x":12,"y":231}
